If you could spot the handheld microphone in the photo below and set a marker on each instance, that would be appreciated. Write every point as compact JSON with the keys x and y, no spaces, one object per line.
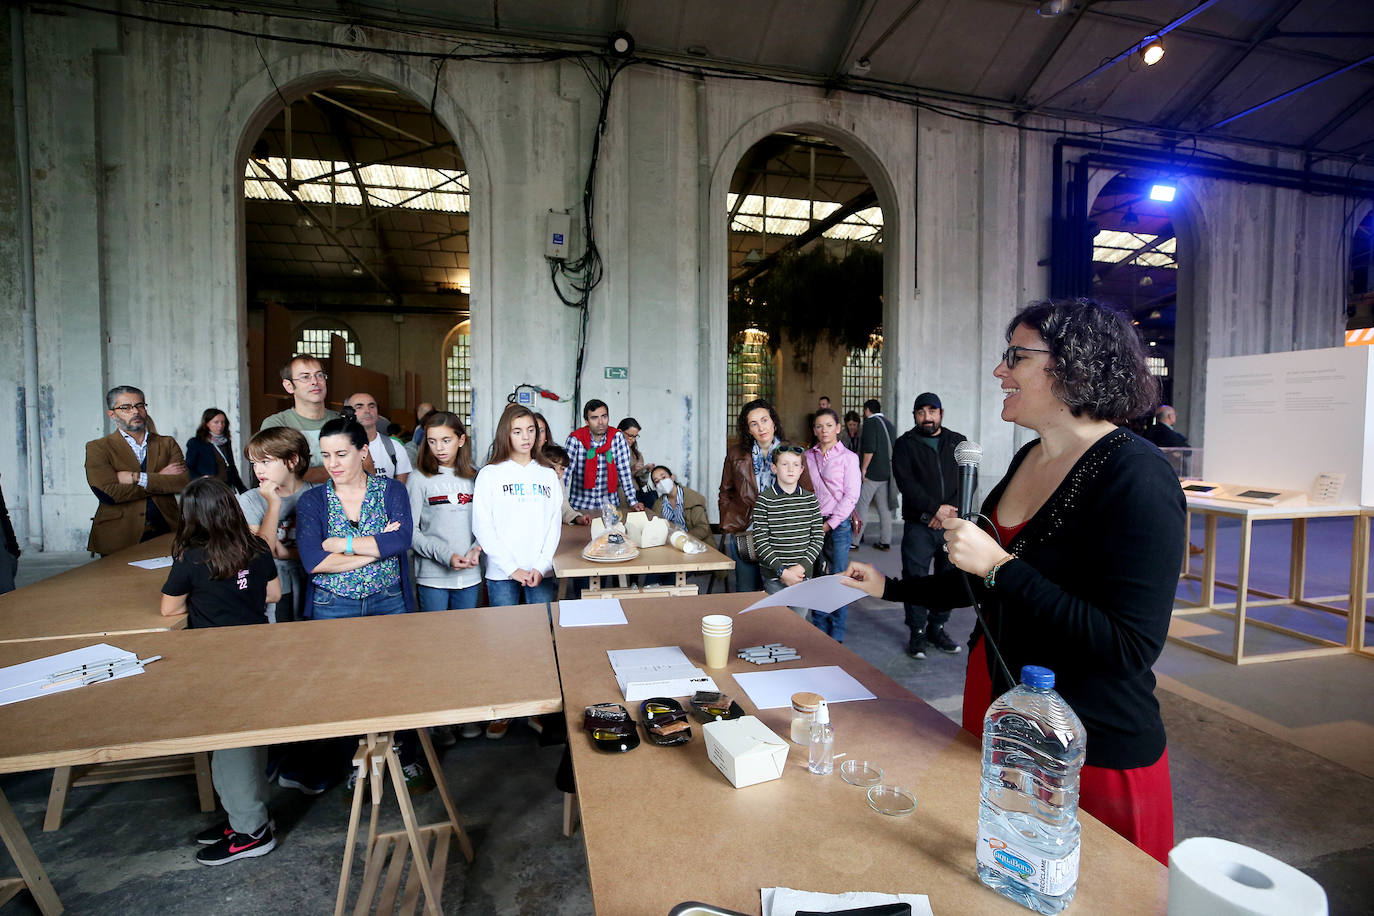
{"x":967,"y":455}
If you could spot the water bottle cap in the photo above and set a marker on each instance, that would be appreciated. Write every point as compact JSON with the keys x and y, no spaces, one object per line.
{"x":1037,"y":677}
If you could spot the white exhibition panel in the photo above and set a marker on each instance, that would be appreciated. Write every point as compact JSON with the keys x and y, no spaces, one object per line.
{"x":1280,"y":419}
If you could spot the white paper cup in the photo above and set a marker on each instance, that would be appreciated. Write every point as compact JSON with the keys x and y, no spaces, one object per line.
{"x":716,"y":630}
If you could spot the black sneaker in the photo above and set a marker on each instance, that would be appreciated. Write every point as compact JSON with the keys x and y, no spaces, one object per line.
{"x":882,"y":546}
{"x":916,"y":648}
{"x":309,"y":783}
{"x":418,"y":779}
{"x":239,"y":846}
{"x":212,"y":835}
{"x":938,"y":638}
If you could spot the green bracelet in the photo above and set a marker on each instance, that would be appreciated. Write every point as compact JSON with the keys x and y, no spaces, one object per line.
{"x":348,"y":545}
{"x":990,"y":580}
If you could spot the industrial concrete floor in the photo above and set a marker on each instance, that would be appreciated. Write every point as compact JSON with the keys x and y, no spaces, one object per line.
{"x":128,"y":848}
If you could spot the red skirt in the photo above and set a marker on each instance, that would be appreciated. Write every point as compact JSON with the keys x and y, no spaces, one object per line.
{"x":1137,"y":803}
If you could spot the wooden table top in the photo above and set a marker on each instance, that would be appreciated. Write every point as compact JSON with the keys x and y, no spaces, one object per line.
{"x":662,"y":825}
{"x":267,"y":684}
{"x":98,"y":599}
{"x":568,"y":559}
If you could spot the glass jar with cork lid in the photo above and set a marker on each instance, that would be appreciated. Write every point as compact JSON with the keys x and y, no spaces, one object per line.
{"x":803,"y":711}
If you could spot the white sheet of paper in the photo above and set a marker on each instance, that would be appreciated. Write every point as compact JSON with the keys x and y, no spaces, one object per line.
{"x":826,"y":594}
{"x":784,"y":901}
{"x":153,"y":563}
{"x":774,"y":689}
{"x":660,"y":657}
{"x":28,"y":680}
{"x":591,"y":612}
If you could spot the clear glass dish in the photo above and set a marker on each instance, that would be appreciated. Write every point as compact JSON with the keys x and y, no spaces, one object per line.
{"x":861,"y":773}
{"x":893,"y":801}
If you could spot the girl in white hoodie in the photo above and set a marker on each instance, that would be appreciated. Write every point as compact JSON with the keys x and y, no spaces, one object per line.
{"x":447,"y":558}
{"x":517,"y":514}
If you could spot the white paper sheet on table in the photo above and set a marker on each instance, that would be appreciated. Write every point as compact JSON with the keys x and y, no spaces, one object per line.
{"x":784,"y":901}
{"x":825,"y":594}
{"x":661,"y":671}
{"x":28,"y":680}
{"x":591,"y":612}
{"x":774,"y":689}
{"x":153,"y":563}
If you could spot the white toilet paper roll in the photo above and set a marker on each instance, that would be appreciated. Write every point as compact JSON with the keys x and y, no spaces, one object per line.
{"x":1212,"y":877}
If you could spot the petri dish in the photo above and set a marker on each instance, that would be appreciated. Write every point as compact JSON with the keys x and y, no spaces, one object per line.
{"x":893,"y":801}
{"x":861,"y":773}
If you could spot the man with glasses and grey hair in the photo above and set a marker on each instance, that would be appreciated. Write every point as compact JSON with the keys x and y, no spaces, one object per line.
{"x":305,"y":380}
{"x":135,"y":473}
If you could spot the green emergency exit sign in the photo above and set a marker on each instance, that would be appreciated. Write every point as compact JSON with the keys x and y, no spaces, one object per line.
{"x":621,"y":372}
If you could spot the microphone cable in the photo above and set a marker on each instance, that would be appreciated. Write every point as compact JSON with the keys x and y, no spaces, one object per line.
{"x":978,"y":611}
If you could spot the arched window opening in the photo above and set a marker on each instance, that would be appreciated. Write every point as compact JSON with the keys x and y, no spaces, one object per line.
{"x":314,"y":339}
{"x":458,"y":372}
{"x":752,"y":373}
{"x":863,"y":375}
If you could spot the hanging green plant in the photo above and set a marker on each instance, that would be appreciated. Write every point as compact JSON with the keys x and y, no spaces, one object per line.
{"x":812,"y":295}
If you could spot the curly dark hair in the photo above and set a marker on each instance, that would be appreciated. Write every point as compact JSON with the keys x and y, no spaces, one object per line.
{"x":746,"y":439}
{"x":1097,"y":360}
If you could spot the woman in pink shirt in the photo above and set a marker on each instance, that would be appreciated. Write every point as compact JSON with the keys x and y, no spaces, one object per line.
{"x":835,"y":472}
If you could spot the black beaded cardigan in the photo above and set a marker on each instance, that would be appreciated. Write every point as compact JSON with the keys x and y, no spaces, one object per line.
{"x":1089,"y":594}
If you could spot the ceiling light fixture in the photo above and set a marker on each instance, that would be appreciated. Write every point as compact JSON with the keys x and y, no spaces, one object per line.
{"x":1163,"y":192}
{"x":1153,"y":52}
{"x":1053,"y":8}
{"x":621,"y":44}
{"x":1129,"y":218}
{"x":861,"y":67}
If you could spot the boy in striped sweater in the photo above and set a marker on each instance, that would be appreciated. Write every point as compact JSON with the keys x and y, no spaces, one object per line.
{"x":788,"y":526}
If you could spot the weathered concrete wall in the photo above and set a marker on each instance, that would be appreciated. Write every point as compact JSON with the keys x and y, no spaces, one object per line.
{"x":139,"y":130}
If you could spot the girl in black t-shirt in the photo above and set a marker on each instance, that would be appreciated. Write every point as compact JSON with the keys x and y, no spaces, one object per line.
{"x":223,"y":575}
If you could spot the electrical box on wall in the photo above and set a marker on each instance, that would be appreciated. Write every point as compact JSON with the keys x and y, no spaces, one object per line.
{"x":557,"y":235}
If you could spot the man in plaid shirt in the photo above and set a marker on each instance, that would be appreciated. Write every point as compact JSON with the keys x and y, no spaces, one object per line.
{"x":598,"y":463}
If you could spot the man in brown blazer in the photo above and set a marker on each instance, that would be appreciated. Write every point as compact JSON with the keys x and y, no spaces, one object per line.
{"x":135,"y":473}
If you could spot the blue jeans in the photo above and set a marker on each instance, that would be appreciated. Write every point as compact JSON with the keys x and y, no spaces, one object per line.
{"x":836,"y":551}
{"x":433,"y":598}
{"x":747,"y":576}
{"x":508,"y":592}
{"x":920,"y":545}
{"x":329,"y":606}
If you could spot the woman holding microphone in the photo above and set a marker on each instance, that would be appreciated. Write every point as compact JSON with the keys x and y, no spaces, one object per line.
{"x":1076,"y":563}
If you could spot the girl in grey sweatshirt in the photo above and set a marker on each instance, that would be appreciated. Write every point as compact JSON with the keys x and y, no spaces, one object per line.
{"x":447,"y":559}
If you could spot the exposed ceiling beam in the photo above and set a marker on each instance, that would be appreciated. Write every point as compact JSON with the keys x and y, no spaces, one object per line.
{"x":393,"y":159}
{"x":861,"y":201}
{"x":1291,"y":92}
{"x":1109,"y":266}
{"x":896,"y":24}
{"x":1346,"y":114}
{"x":403,"y":303}
{"x":340,"y":130}
{"x":857,"y":24}
{"x":319,"y":222}
{"x":759,"y":157}
{"x":1062,"y":26}
{"x":1202,"y":89}
{"x":1146,"y":39}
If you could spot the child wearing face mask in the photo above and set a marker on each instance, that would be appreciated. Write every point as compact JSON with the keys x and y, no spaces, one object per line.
{"x":681,"y":506}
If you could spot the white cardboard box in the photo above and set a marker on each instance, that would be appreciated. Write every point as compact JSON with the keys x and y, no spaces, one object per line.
{"x":745,"y":750}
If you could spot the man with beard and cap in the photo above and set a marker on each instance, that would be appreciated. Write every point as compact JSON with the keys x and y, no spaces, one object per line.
{"x":135,"y":473}
{"x":923,"y":466}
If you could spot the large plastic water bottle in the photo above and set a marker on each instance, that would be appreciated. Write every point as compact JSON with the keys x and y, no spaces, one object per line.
{"x":1033,"y":746}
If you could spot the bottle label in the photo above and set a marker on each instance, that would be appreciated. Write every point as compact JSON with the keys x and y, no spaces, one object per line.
{"x":1051,"y":877}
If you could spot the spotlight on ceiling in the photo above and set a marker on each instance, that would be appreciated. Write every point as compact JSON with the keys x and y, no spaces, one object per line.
{"x":1164,"y":193}
{"x":860,"y":67}
{"x":1054,"y":8}
{"x":621,"y":44}
{"x":1129,"y":218}
{"x":1152,"y":53}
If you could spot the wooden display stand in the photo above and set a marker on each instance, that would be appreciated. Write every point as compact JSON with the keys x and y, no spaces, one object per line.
{"x":1298,"y":515}
{"x":569,"y":563}
{"x":1243,"y":494}
{"x":427,"y":846}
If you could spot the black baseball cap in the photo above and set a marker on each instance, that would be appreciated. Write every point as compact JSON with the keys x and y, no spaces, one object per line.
{"x":928,"y":399}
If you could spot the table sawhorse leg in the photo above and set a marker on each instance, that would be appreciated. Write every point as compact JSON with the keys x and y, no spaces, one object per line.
{"x":377,"y":756}
{"x":31,"y":874}
{"x":1242,"y":589}
{"x":1297,"y":560}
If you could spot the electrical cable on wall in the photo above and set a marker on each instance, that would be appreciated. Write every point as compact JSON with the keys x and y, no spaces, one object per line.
{"x":581,"y":275}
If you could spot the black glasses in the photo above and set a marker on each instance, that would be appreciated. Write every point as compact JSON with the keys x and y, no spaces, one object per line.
{"x":784,"y":449}
{"x":129,"y":408}
{"x":1012,"y":355}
